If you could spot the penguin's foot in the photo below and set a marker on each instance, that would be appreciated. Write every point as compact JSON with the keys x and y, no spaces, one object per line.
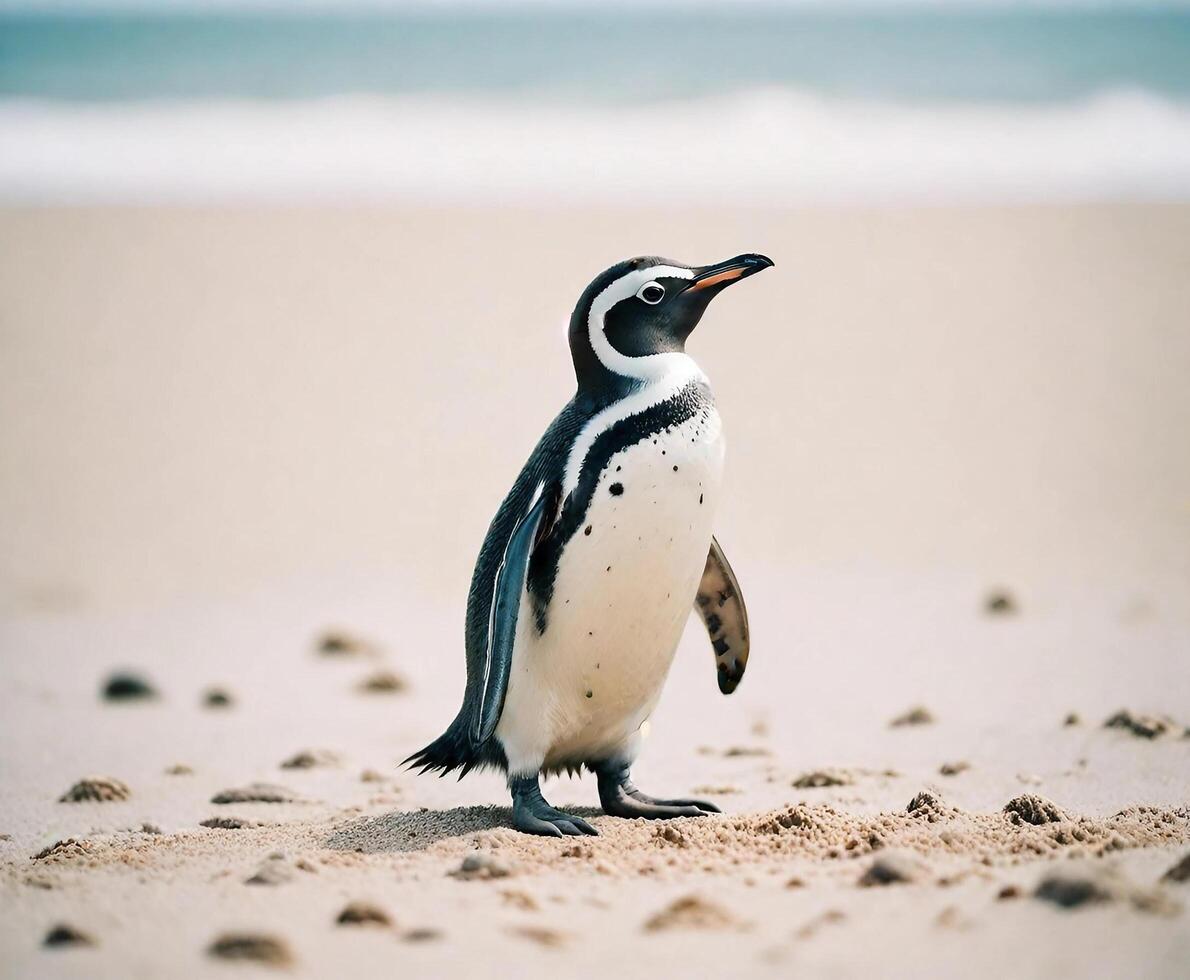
{"x":533,"y":815}
{"x":621,"y":799}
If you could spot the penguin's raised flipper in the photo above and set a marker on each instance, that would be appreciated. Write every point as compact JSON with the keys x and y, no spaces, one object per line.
{"x":721,"y":605}
{"x":506,"y":604}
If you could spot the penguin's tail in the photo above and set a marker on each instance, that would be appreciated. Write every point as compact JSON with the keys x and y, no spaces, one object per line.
{"x":453,"y":750}
{"x":442,"y":755}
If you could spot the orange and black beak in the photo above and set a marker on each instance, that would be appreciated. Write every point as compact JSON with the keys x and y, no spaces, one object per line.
{"x":711,"y":278}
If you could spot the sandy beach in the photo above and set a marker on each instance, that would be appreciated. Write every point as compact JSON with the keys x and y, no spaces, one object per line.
{"x":957,"y":480}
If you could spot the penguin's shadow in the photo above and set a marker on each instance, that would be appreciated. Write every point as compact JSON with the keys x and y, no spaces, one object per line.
{"x":415,"y":830}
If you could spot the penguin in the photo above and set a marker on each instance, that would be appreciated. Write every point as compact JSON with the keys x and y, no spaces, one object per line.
{"x":599,"y":552}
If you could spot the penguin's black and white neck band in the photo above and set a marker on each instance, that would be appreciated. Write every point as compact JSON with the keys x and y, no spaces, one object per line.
{"x":649,"y":367}
{"x":678,"y":372}
{"x":659,"y":377}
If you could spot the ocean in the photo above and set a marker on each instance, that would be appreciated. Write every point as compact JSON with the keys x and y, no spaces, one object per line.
{"x":599,"y":102}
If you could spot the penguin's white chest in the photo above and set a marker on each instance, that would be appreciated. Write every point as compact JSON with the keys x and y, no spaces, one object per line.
{"x":625,"y":586}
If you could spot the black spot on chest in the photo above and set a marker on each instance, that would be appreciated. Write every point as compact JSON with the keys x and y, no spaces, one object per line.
{"x":616,"y":489}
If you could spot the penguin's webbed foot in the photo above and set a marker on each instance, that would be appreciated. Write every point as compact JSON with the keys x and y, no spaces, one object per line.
{"x":531,"y":813}
{"x":622,"y":799}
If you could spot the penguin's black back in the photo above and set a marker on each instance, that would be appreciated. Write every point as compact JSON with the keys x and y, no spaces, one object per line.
{"x":546,"y":464}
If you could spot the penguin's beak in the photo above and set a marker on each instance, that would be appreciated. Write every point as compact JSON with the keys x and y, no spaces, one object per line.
{"x":689,"y":305}
{"x":715,"y":277}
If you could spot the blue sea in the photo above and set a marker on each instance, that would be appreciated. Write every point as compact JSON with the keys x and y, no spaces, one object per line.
{"x":498,"y":101}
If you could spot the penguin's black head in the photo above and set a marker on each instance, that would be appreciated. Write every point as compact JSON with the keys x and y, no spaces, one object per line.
{"x":642,"y":308}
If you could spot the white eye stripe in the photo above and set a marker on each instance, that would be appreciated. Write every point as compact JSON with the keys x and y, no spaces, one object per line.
{"x":663,"y":374}
{"x":643,"y":367}
{"x":651,"y":293}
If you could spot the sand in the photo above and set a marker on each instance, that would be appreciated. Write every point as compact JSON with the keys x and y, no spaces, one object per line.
{"x":252,"y":452}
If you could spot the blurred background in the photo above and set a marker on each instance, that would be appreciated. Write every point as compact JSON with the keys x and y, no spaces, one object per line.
{"x":648,"y":102}
{"x":283,"y":290}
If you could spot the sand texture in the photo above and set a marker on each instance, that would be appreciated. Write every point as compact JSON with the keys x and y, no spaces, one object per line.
{"x":246,"y":459}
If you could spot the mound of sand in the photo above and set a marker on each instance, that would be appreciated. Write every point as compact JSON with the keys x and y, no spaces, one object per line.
{"x":928,"y":828}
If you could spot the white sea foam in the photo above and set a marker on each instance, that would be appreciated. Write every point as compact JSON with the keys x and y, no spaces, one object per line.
{"x":762,"y":147}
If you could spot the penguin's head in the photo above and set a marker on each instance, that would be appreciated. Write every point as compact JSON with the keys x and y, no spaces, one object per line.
{"x":642,"y":308}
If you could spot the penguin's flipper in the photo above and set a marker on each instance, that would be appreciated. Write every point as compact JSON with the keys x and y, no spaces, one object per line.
{"x":721,"y":605}
{"x":506,"y":605}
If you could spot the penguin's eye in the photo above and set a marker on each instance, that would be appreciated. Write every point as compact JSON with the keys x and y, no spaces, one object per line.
{"x":652,"y":293}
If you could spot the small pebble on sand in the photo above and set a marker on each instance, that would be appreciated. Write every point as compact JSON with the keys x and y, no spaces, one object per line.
{"x":479,"y":866}
{"x":383,"y":682}
{"x":1180,"y":872}
{"x":310,"y":759}
{"x":1142,"y":726}
{"x":892,"y":868}
{"x":422,"y":935}
{"x":250,"y":946}
{"x":226,"y":823}
{"x":341,"y":643}
{"x":1090,"y":882}
{"x":820,"y":778}
{"x":126,"y":686}
{"x":256,"y":793}
{"x":179,"y":769}
{"x":96,"y":789}
{"x":1035,"y":810}
{"x":1072,"y":887}
{"x":217,"y":697}
{"x":928,"y":806}
{"x":363,"y":914}
{"x":1000,"y":602}
{"x":549,"y":938}
{"x":953,"y":768}
{"x":917,"y":715}
{"x":66,"y":935}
